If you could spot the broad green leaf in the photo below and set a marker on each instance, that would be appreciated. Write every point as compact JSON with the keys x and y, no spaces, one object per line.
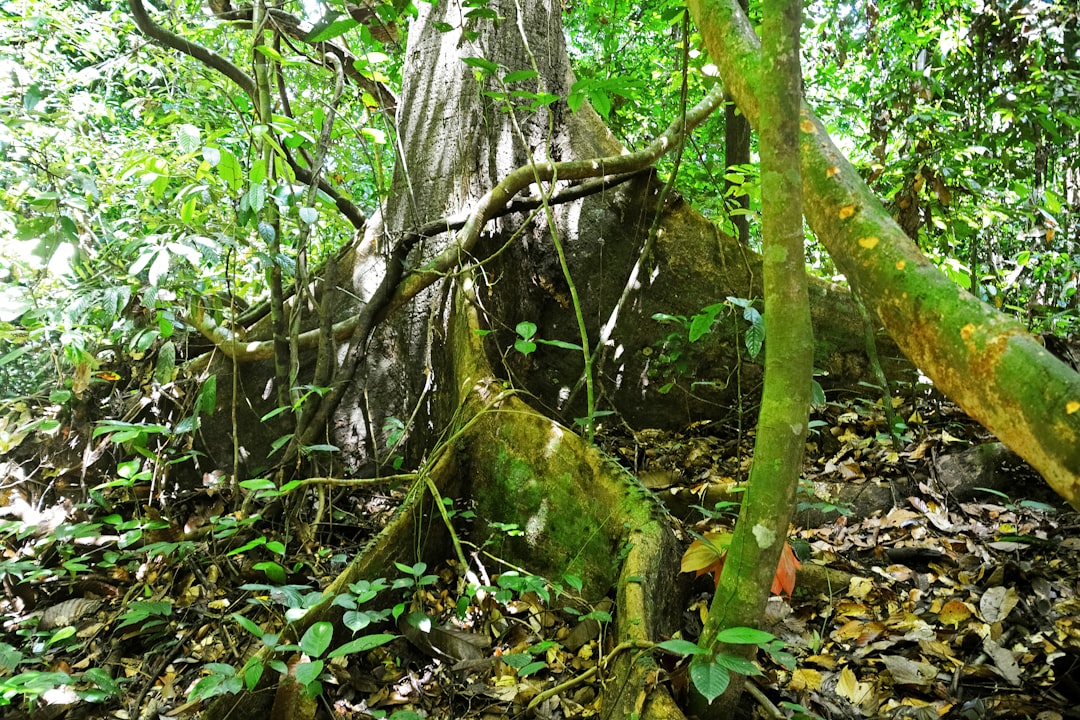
{"x":681,"y":647}
{"x":270,"y":53}
{"x":362,"y":644}
{"x":248,"y":624}
{"x":229,"y":170}
{"x":307,"y":673}
{"x":702,"y":322}
{"x":738,"y":665}
{"x":710,"y":679}
{"x":481,"y":64}
{"x":743,"y":636}
{"x":317,"y":639}
{"x":256,"y":197}
{"x":206,"y":402}
{"x":526,"y":330}
{"x":187,"y":210}
{"x":519,"y":75}
{"x":188,"y":138}
{"x":325,"y":30}
{"x":267,"y":231}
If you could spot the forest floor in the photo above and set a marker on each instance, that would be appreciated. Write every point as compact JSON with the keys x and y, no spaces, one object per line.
{"x":928,"y":589}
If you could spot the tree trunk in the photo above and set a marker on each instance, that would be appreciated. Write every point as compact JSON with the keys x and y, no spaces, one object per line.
{"x":983,"y":360}
{"x":458,"y":143}
{"x":765,"y":513}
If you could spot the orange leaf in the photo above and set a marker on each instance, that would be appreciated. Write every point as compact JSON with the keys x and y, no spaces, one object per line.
{"x":707,"y":556}
{"x":785,"y":571}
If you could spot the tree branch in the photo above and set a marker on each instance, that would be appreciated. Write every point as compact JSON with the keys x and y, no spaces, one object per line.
{"x":204,"y":55}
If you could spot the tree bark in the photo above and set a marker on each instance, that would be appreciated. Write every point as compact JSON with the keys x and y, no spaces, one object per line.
{"x":765,"y":513}
{"x":983,"y":360}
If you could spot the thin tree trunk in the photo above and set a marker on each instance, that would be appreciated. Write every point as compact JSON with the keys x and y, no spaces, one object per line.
{"x":983,"y":360}
{"x":769,"y":502}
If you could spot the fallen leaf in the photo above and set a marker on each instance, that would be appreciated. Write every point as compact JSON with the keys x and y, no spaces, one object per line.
{"x":954,"y":612}
{"x":849,"y":687}
{"x":909,"y":672}
{"x":997,"y":602}
{"x":1004,"y":661}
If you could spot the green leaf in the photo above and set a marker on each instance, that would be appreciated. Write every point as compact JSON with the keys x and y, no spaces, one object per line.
{"x":526,"y":330}
{"x":737,"y":665}
{"x":329,"y":28}
{"x":253,"y":673}
{"x":248,"y":624}
{"x":531,"y":668}
{"x":187,"y":211}
{"x":270,"y":53}
{"x":481,"y":64}
{"x":307,"y":673}
{"x":702,"y":322}
{"x":228,"y":168}
{"x":560,"y":344}
{"x":206,"y":401}
{"x":323,"y":447}
{"x":309,"y":215}
{"x":187,"y":137}
{"x":273,"y":571}
{"x":317,"y":639}
{"x":362,"y":644}
{"x":743,"y":636}
{"x":519,"y":75}
{"x":256,"y":198}
{"x":601,"y":102}
{"x":681,"y":647}
{"x":710,"y":679}
{"x":102,"y":679}
{"x":247,"y":546}
{"x":267,"y":232}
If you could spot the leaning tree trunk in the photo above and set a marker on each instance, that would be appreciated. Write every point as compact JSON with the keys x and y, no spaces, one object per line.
{"x":985,"y":361}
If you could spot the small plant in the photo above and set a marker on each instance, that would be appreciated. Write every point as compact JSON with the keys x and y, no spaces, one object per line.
{"x":313,"y":645}
{"x":673,"y":360}
{"x":812,"y":501}
{"x":711,"y":673}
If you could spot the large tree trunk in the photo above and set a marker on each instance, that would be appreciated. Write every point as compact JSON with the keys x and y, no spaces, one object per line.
{"x":427,"y":366}
{"x":459,"y":143}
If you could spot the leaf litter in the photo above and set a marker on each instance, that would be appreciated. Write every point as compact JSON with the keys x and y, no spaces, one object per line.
{"x":915,"y":595}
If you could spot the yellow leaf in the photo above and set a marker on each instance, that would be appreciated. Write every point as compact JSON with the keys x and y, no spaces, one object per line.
{"x":850,"y":688}
{"x":954,"y":612}
{"x":701,"y":555}
{"x":805,"y":679}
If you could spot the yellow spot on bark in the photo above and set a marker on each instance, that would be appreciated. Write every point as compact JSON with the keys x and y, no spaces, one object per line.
{"x":832,"y":171}
{"x":808,"y":127}
{"x":868,"y":242}
{"x":900,"y":264}
{"x":847,"y":211}
{"x":1071,"y":407}
{"x":967,"y":331}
